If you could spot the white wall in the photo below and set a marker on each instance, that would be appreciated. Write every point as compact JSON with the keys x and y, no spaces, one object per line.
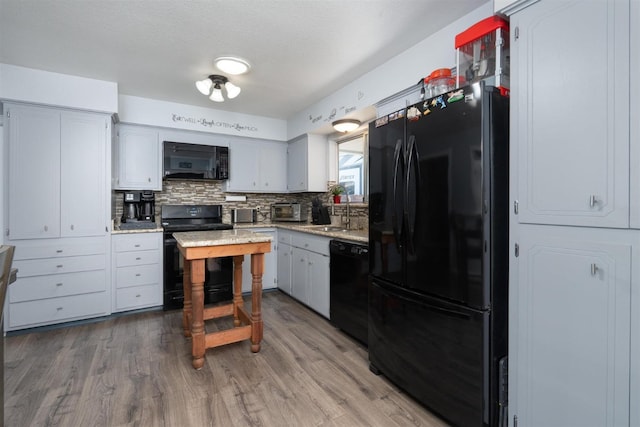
{"x":397,"y":74}
{"x":47,"y":88}
{"x":152,"y":112}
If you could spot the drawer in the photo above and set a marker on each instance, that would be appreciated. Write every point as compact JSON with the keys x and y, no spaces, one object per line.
{"x":284,"y":237}
{"x":39,"y":267}
{"x":124,"y":259}
{"x":311,"y":243}
{"x":57,"y":310}
{"x":138,"y":297}
{"x":137,"y":242}
{"x":57,"y":285}
{"x":138,"y":275}
{"x":57,"y":248}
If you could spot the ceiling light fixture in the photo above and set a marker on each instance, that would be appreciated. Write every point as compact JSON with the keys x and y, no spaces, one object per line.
{"x":232,"y":65}
{"x":346,"y":125}
{"x":216,"y":82}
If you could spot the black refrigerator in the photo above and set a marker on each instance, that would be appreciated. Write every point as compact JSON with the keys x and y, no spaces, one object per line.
{"x":438,"y":247}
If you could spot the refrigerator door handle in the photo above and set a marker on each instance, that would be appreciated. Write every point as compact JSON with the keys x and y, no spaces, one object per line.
{"x":411,"y":205}
{"x":397,"y":175}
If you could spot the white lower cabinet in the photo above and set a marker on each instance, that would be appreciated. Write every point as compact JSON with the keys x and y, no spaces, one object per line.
{"x":59,"y":280}
{"x":285,"y":255}
{"x":309,"y":274}
{"x":570,"y":327}
{"x":137,"y":266}
{"x":269,"y":279}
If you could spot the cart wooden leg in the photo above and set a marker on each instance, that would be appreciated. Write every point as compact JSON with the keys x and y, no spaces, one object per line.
{"x":197,"y":322}
{"x":237,"y":287}
{"x":257,"y":269}
{"x":186,"y":306}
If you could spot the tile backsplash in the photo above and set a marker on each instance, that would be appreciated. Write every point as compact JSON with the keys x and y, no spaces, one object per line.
{"x":193,"y":192}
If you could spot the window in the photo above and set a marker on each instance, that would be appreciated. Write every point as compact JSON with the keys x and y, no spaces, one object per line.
{"x":353,"y":165}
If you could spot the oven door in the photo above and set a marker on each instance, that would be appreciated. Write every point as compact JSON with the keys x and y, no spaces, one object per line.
{"x":217,"y":282}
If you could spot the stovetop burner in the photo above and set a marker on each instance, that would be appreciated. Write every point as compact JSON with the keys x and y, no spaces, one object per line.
{"x":196,"y":227}
{"x":193,"y":218}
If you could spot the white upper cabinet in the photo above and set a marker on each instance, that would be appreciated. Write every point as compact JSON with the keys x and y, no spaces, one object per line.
{"x":34,"y":172}
{"x":257,"y":166}
{"x":307,"y":164}
{"x":83,"y":174}
{"x":57,"y":173}
{"x":570,"y":116}
{"x":138,"y":159}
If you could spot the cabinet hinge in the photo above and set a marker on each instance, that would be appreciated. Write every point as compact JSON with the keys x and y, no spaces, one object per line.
{"x":515,"y":207}
{"x":516,"y":33}
{"x":517,"y":250}
{"x":515,"y":421}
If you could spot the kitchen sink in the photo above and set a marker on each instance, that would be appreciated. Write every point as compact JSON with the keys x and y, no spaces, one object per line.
{"x":329,"y":228}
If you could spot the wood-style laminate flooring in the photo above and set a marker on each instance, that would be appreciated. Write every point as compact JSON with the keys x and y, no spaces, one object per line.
{"x":136,"y":370}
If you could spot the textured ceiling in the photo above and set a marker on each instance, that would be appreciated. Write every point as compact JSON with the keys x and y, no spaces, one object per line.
{"x":301,"y":50}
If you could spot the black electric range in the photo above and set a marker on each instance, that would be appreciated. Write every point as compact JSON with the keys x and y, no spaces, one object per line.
{"x":218,"y":272}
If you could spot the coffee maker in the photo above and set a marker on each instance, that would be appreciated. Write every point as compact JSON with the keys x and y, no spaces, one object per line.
{"x":138,"y":210}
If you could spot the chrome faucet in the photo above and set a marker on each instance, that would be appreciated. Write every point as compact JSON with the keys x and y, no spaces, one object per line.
{"x":348,"y":221}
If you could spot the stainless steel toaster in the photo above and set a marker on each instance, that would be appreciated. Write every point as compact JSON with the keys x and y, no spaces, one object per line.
{"x":243,"y":215}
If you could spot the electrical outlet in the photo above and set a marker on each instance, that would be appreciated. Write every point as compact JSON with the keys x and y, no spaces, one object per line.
{"x":258,"y":209}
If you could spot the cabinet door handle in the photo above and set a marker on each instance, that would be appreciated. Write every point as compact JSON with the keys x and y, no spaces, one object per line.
{"x":59,"y":251}
{"x":137,"y":274}
{"x":59,"y":265}
{"x":136,"y":246}
{"x":138,"y":258}
{"x":593,"y":200}
{"x":72,"y":226}
{"x":137,"y":295}
{"x":59,"y":309}
{"x":59,"y":284}
{"x":149,"y":179}
{"x":594,"y":269}
{"x":46,"y":228}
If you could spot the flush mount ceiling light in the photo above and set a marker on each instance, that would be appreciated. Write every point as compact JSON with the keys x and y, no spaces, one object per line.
{"x":216,"y":82}
{"x":346,"y":125}
{"x":232,"y":65}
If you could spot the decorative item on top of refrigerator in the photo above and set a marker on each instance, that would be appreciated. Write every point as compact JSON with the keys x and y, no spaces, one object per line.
{"x":439,"y":82}
{"x":483,"y":53}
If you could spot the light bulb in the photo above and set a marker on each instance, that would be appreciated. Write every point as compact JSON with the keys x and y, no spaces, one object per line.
{"x":232,"y":90}
{"x":204,"y":86}
{"x":216,"y":94}
{"x":232,"y":65}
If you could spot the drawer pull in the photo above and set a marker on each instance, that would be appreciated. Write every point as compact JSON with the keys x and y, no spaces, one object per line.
{"x":59,"y":284}
{"x":138,"y":274}
{"x":59,"y":309}
{"x":138,"y":258}
{"x":136,"y":246}
{"x":59,"y":251}
{"x":138,"y":296}
{"x":59,"y":265}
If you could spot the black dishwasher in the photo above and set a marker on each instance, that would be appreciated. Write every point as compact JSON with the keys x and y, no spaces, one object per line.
{"x":349,"y":277}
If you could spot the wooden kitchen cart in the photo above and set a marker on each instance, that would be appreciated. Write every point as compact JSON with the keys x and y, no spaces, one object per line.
{"x":195,"y":247}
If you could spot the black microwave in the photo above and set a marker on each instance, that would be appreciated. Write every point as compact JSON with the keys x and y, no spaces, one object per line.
{"x":194,"y":161}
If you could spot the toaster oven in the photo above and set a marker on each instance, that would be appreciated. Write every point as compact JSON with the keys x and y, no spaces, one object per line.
{"x":293,"y":212}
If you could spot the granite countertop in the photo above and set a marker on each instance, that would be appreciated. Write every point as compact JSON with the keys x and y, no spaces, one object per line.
{"x":194,"y":239}
{"x":157,"y":229}
{"x":336,"y":232}
{"x":361,"y":236}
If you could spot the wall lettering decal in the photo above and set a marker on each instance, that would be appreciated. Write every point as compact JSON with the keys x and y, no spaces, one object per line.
{"x":211,"y":124}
